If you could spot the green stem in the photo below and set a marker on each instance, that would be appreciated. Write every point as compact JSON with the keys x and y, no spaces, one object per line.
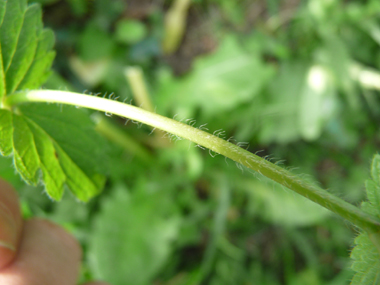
{"x":218,"y":145}
{"x":135,"y":77}
{"x":175,"y":25}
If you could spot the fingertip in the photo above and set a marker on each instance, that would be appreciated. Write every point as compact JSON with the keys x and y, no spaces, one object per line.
{"x":47,"y":253}
{"x":7,"y":254}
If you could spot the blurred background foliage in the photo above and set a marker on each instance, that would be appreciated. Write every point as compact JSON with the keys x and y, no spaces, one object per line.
{"x":295,"y":81}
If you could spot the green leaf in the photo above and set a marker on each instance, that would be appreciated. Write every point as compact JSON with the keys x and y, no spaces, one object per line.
{"x":26,"y":48}
{"x":94,"y":43}
{"x":10,"y":29}
{"x":132,"y":233}
{"x":130,"y":31}
{"x":227,"y":78}
{"x":316,"y":95}
{"x":365,"y":254}
{"x":375,"y":169}
{"x":23,"y":55}
{"x":60,"y":143}
{"x":335,"y":56}
{"x":301,"y":100}
{"x":278,"y":205}
{"x":50,"y":144}
{"x":24,"y":150}
{"x":220,"y":81}
{"x":366,"y":261}
{"x":39,"y":69}
{"x":68,"y":148}
{"x":2,"y":10}
{"x":6,"y":130}
{"x":280,"y":114}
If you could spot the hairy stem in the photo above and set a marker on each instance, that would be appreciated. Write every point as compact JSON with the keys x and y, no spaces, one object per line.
{"x":254,"y":162}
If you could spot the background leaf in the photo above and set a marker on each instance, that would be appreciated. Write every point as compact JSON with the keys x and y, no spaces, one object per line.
{"x":219,"y":82}
{"x":278,"y":205}
{"x":316,"y":103}
{"x":132,"y":236}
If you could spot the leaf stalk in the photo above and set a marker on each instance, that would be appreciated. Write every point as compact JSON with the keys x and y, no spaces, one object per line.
{"x":202,"y":138}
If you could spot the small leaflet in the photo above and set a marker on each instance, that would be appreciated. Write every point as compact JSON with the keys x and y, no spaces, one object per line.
{"x":365,"y":254}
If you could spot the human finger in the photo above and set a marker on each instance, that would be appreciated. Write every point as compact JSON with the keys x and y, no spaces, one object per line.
{"x":47,"y":255}
{"x":10,"y":223}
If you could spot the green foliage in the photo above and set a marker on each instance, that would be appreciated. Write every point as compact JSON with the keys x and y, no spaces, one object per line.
{"x":49,"y":145}
{"x":365,"y":254}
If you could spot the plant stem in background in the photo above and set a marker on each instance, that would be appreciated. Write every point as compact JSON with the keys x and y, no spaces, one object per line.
{"x":175,"y":24}
{"x":135,"y":78}
{"x":368,"y":78}
{"x":216,"y":144}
